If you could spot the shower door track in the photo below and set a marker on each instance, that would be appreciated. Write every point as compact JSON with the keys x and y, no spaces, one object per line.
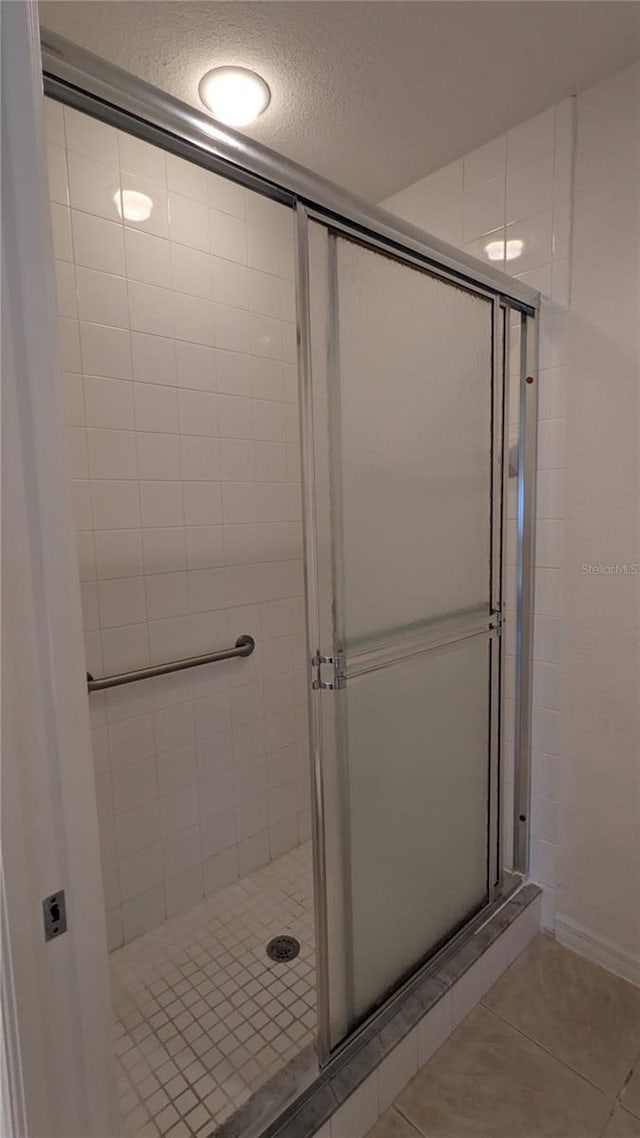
{"x":88,"y":83}
{"x":83,"y":80}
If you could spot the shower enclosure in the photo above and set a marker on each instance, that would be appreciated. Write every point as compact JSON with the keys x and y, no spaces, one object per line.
{"x":404,"y":355}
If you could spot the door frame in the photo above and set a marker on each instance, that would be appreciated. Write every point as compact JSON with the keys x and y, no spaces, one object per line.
{"x":85,"y":81}
{"x":57,"y":1061}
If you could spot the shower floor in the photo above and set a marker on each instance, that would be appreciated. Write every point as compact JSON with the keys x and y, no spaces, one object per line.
{"x":203,"y":1017}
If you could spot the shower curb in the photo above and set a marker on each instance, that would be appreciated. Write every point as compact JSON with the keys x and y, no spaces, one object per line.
{"x":302,"y":1113}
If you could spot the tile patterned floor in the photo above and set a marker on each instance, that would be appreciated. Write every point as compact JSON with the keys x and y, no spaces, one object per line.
{"x":203,"y":1017}
{"x":553,"y":1051}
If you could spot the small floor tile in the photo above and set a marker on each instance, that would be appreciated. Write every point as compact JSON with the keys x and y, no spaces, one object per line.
{"x":203,"y":1018}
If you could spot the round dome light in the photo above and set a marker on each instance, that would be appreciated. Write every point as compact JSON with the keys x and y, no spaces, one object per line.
{"x":234,"y":95}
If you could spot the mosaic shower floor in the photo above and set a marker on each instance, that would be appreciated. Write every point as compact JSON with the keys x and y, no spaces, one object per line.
{"x":203,"y":1017}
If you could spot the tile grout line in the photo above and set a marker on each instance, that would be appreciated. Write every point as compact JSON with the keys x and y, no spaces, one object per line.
{"x":546,"y":1050}
{"x":398,"y":1109}
{"x":608,"y":1120}
{"x":613,"y":1102}
{"x":635,"y":1068}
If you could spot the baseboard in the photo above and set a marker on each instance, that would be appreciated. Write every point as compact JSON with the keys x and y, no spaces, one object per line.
{"x":598,"y":949}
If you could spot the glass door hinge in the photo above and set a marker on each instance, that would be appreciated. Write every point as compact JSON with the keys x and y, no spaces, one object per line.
{"x":496,"y":621}
{"x":338,"y":679}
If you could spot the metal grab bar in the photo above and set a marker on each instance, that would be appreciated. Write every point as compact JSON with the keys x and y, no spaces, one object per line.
{"x":243,"y":646}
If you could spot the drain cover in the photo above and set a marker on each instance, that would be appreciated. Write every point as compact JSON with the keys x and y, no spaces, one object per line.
{"x":283,"y":948}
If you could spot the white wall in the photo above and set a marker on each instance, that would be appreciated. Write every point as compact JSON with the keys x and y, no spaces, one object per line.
{"x":56,"y":1007}
{"x":181,"y":392}
{"x":517,"y":188}
{"x":599,"y":888}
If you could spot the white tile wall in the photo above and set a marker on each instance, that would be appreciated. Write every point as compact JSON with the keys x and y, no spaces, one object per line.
{"x":600,"y":726}
{"x":518,"y":188}
{"x":178,"y":338}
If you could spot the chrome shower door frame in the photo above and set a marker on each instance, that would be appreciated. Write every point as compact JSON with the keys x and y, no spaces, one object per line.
{"x":321,"y":555}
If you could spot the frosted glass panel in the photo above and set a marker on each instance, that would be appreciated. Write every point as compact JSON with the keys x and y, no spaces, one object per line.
{"x":418,"y":772}
{"x":402,"y":383}
{"x":412,"y":446}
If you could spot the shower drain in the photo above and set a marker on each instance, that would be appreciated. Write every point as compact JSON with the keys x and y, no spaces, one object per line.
{"x":283,"y":948}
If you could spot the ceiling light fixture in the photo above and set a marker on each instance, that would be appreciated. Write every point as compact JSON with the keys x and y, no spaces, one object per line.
{"x":234,"y":95}
{"x":504,"y":250}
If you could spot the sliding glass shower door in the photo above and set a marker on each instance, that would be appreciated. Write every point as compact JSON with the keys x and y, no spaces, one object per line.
{"x":404,"y":602}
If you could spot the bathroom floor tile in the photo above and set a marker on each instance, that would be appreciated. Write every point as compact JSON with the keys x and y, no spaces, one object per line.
{"x":585,"y":1016}
{"x":203,"y":1017}
{"x":489,"y":1081}
{"x":622,"y":1125}
{"x":393,"y":1125}
{"x":630,"y":1097}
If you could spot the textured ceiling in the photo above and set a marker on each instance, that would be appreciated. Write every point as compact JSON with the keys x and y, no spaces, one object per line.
{"x":373,"y":95}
